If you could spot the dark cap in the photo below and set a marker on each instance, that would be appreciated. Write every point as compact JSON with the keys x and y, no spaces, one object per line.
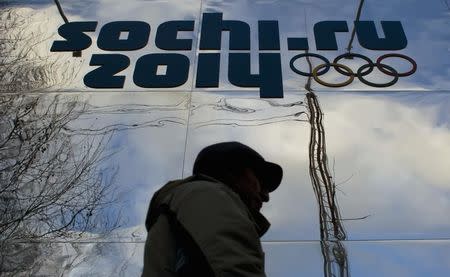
{"x":234,"y":155}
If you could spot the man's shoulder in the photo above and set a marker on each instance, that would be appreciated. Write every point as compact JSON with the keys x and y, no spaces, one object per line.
{"x":196,"y":184}
{"x":174,"y":192}
{"x":201,"y":184}
{"x":201,"y":189}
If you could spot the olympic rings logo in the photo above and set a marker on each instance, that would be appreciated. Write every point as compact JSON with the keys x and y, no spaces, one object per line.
{"x":360,"y":73}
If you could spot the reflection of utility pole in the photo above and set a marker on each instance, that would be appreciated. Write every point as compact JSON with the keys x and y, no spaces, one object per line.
{"x":331,"y":229}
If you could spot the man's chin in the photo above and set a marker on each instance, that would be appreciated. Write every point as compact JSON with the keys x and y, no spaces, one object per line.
{"x":258,"y":206}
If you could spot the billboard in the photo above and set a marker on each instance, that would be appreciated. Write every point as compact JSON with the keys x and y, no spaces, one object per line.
{"x":103,"y":102}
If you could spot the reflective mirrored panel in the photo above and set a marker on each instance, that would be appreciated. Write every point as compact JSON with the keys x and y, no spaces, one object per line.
{"x":104,"y":102}
{"x":362,"y":258}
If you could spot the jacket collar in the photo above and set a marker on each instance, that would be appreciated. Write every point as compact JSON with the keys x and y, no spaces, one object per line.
{"x":261,"y":223}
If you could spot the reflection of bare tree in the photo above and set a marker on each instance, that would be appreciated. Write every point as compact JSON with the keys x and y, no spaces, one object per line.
{"x":41,"y":169}
{"x":24,"y":67}
{"x":51,"y":185}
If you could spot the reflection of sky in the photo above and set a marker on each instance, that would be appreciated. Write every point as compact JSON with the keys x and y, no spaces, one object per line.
{"x":374,"y":142}
{"x":389,"y":151}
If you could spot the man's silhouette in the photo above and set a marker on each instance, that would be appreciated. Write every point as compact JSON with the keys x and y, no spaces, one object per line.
{"x":209,"y":224}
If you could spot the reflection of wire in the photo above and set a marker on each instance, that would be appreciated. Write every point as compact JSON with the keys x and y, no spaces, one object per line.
{"x":64,"y":17}
{"x":358,"y":15}
{"x":61,"y":12}
{"x":136,"y":108}
{"x":161,"y":122}
{"x":356,"y":218}
{"x":223,"y":104}
{"x":252,"y":122}
{"x":331,"y":229}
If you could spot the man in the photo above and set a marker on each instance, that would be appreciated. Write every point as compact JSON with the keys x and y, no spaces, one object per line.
{"x":210,"y":224}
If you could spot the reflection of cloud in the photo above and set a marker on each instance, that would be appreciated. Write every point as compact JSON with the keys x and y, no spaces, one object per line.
{"x":395,"y":147}
{"x":398,"y":155}
{"x":404,"y":136}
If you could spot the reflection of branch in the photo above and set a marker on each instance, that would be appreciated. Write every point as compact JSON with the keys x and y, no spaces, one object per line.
{"x":345,"y":181}
{"x":127,"y":262}
{"x":287,"y":105}
{"x":160,"y":122}
{"x":79,"y":254}
{"x":356,"y":218}
{"x":223,"y":105}
{"x":136,"y":108}
{"x":48,"y":188}
{"x":244,"y":122}
{"x":51,"y":183}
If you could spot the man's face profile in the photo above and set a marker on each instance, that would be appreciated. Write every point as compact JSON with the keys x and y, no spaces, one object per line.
{"x":251,"y":190}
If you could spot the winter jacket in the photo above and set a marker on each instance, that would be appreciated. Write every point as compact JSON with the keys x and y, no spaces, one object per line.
{"x":200,"y":227}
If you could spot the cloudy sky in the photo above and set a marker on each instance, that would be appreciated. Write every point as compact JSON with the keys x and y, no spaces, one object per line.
{"x":388,"y":149}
